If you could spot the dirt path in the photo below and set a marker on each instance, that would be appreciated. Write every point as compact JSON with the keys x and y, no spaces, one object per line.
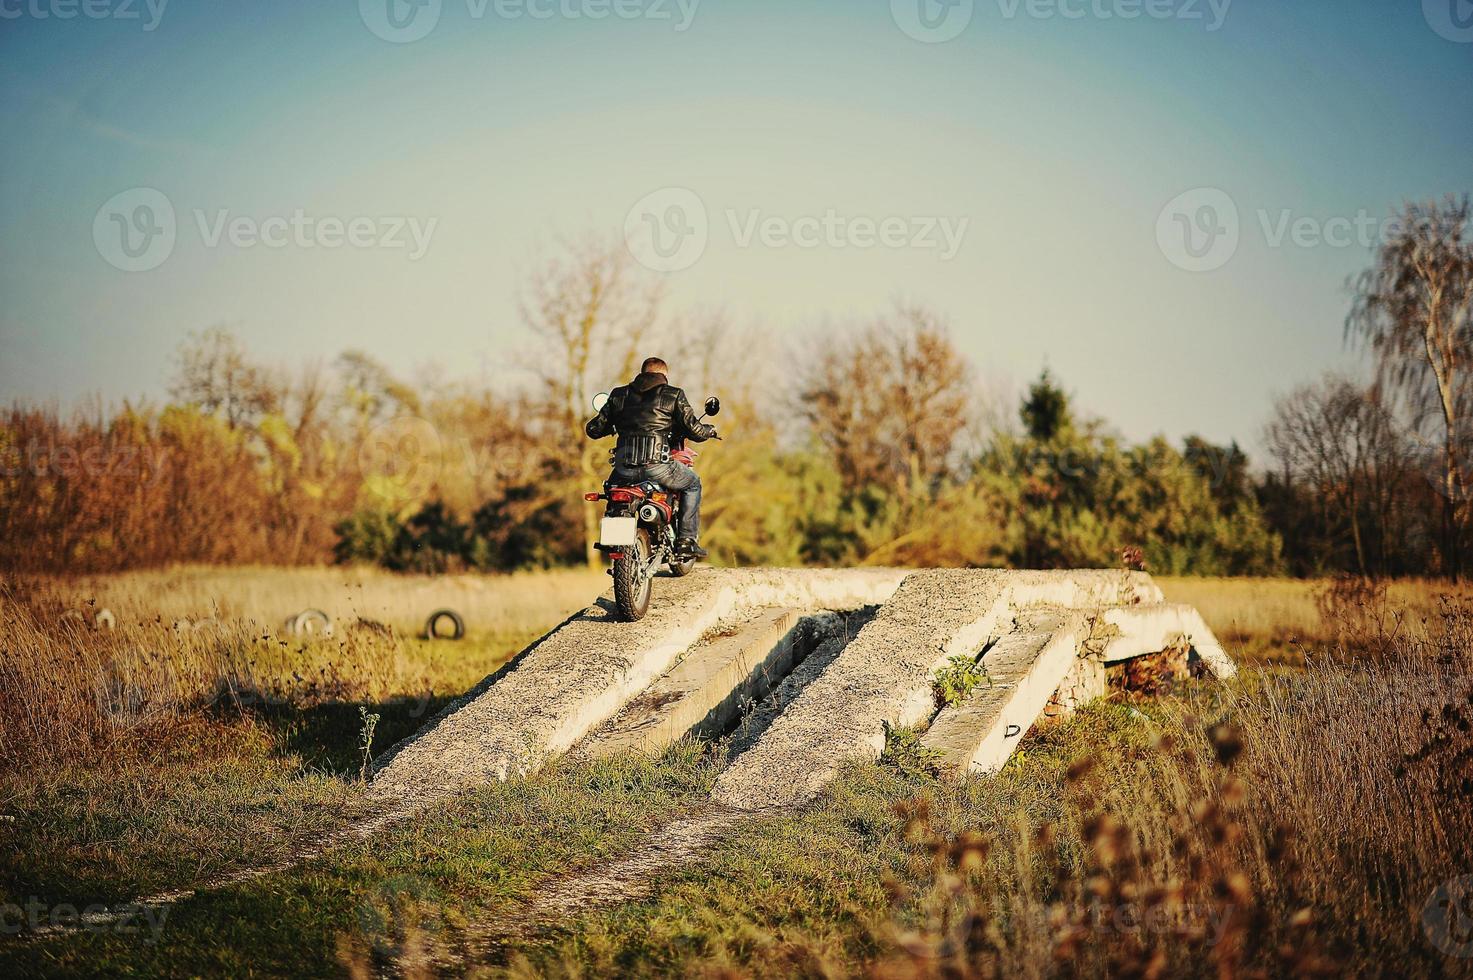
{"x":676,"y":845}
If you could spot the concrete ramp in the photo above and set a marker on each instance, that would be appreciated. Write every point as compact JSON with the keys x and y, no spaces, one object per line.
{"x":772,"y":657}
{"x":885,"y":675}
{"x":705,"y":693}
{"x":579,"y":675}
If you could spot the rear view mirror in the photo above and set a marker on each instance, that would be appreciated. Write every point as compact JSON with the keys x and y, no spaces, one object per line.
{"x":713,"y":405}
{"x":600,"y":400}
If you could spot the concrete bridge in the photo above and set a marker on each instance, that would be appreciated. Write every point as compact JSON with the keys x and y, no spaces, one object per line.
{"x":806,"y":669}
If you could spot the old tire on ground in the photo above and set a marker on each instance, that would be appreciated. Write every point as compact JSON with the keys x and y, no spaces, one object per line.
{"x":632,"y":584}
{"x":431,"y":633}
{"x":310,"y":622}
{"x":680,"y":569}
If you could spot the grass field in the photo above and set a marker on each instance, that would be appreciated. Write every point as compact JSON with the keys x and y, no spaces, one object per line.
{"x":1295,"y":821}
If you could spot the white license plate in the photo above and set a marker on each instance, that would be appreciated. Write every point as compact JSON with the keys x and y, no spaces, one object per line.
{"x":617,"y":531}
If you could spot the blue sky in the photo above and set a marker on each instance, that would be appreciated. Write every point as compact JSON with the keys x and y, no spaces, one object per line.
{"x":1063,"y":139}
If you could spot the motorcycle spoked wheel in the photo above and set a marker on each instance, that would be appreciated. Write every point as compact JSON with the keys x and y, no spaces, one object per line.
{"x":634,"y":578}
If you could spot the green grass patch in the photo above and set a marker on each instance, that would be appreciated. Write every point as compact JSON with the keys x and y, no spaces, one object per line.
{"x":475,"y":860}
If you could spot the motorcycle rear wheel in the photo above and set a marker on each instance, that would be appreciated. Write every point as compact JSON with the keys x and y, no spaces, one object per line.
{"x":634,"y":579}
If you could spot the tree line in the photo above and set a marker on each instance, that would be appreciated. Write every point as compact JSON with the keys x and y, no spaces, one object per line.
{"x":871,"y":443}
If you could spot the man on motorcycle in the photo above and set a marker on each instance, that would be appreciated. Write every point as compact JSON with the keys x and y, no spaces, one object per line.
{"x":653,"y":419}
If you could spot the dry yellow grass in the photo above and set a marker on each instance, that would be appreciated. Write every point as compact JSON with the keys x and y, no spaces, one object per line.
{"x":1273,"y":620}
{"x":68,"y":686}
{"x":267,"y":596}
{"x":1311,"y":827}
{"x":72,"y":684}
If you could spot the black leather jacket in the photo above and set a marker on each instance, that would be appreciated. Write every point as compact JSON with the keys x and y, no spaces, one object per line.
{"x":649,"y":406}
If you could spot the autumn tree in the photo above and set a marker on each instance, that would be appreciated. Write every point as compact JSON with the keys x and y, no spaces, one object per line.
{"x":370,"y":392}
{"x":214,"y":373}
{"x":1336,"y":442}
{"x":1414,"y":308}
{"x":888,"y":400}
{"x":592,"y":309}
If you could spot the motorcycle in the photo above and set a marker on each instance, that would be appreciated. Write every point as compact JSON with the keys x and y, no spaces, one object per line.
{"x":638,"y":531}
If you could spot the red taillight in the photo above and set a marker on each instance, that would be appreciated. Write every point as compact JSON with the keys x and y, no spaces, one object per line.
{"x":593,"y":496}
{"x":622,"y":496}
{"x":616,"y":555}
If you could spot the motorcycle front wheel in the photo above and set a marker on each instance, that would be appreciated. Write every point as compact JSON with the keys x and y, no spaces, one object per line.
{"x":633,"y":578}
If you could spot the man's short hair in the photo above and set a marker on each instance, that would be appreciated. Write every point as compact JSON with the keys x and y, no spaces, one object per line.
{"x":654,"y":365}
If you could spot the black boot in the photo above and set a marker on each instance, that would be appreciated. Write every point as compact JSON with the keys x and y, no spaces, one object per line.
{"x":687,"y":548}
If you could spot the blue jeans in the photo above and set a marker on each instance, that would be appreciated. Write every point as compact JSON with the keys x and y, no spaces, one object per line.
{"x":676,"y":477}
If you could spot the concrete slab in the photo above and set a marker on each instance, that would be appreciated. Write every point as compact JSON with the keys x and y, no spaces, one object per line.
{"x":579,"y":675}
{"x":1085,"y":681}
{"x":1024,"y":668}
{"x":1151,"y":628}
{"x":884,"y":676}
{"x":1060,"y":662}
{"x":704,"y":693}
